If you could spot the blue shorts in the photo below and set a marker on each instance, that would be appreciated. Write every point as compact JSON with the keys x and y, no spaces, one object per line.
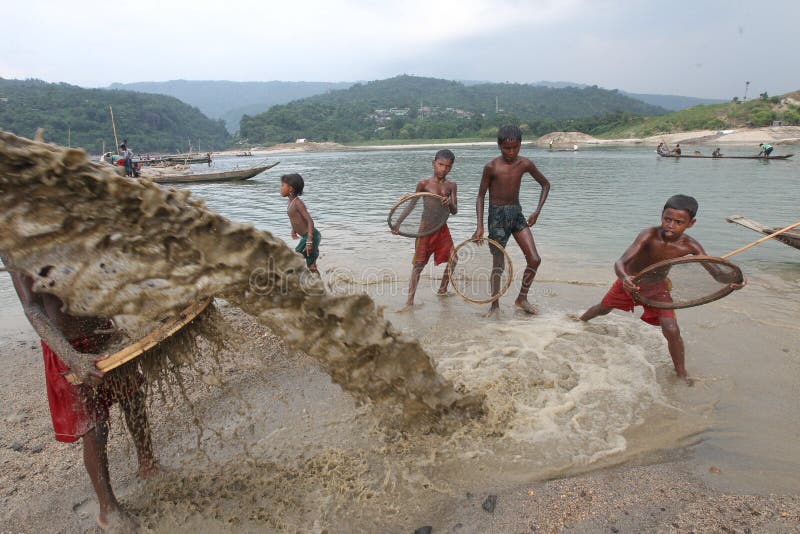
{"x":505,"y":221}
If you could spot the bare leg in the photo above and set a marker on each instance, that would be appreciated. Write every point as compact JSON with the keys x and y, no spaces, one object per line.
{"x":525,"y":241}
{"x":95,"y":459}
{"x":669,"y":327}
{"x":412,"y":284}
{"x":446,"y":276}
{"x":498,"y":266}
{"x":593,"y":312}
{"x":136,"y":420}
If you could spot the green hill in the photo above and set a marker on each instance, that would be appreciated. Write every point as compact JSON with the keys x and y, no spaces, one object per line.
{"x":222,"y":99}
{"x":754,"y":113}
{"x":409,"y":107}
{"x":80,"y":117}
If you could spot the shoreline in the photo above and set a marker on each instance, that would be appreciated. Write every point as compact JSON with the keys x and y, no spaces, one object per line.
{"x":664,"y":490}
{"x":775,"y":135}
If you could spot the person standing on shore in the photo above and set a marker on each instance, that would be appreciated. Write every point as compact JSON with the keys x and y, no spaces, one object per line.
{"x":82,"y":411}
{"x":502,"y":178}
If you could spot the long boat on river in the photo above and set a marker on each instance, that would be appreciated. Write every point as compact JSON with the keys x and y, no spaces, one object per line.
{"x":682,"y":156}
{"x":791,"y":238}
{"x":223,"y":176}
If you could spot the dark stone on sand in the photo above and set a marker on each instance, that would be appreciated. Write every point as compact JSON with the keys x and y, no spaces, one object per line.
{"x":37,"y":449}
{"x":490,"y":503}
{"x":16,"y":446}
{"x":424,"y":530}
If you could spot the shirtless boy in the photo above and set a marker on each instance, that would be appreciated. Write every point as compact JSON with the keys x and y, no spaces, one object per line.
{"x":652,"y":245}
{"x":439,"y":244}
{"x":302,"y":224}
{"x":82,"y":411}
{"x":502,"y":177}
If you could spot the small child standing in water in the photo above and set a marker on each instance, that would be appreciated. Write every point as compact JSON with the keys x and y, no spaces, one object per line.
{"x":302,"y":224}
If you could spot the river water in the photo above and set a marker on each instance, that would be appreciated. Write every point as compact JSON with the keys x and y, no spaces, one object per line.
{"x":571,"y":396}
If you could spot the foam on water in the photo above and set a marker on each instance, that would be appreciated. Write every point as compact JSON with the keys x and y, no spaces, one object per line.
{"x":568,"y":388}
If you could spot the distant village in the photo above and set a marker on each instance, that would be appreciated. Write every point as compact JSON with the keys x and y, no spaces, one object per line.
{"x":381,"y":116}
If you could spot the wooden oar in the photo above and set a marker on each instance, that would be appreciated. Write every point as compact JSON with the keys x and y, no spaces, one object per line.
{"x":757,"y":241}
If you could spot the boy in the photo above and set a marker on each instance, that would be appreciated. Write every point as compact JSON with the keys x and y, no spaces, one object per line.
{"x":82,"y":411}
{"x":652,"y":245}
{"x":502,"y":177}
{"x":302,"y":224}
{"x":439,"y":244}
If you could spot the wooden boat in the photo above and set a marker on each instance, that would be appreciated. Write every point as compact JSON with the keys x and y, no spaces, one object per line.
{"x":791,"y":238}
{"x":787,"y":156}
{"x":224,"y":176}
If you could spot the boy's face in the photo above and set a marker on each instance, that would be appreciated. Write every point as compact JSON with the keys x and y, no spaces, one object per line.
{"x":674,"y":223}
{"x":286,"y":189}
{"x":510,"y":149}
{"x":441,"y":167}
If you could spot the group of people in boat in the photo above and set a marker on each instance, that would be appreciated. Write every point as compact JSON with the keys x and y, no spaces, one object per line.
{"x":663,"y":150}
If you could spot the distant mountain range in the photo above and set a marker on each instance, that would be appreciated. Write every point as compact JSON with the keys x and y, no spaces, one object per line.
{"x":229,"y":101}
{"x":413,"y":107}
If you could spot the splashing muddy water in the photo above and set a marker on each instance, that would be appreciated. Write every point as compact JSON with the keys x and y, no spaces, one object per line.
{"x":108,"y":246}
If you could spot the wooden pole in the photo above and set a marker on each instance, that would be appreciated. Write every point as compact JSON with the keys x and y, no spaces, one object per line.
{"x":756,"y":242}
{"x":114,"y":127}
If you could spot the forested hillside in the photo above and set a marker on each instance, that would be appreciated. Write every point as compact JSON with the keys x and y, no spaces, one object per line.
{"x":761,"y":111}
{"x":228,"y":100}
{"x":409,"y":107}
{"x":80,"y":117}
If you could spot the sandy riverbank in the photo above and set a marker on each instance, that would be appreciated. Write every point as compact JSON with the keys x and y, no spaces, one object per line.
{"x":775,"y":135}
{"x":296,"y":449}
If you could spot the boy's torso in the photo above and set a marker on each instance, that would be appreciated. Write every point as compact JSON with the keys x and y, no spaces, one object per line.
{"x":505,"y":179}
{"x":656,"y":249}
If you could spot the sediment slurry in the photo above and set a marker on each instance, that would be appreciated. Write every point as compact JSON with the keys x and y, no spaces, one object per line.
{"x":111,"y":246}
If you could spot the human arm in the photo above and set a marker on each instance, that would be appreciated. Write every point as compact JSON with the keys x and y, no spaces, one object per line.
{"x":309,"y":223}
{"x":634,"y":250}
{"x":479,"y":201}
{"x":718,"y":274}
{"x":545,"y":183}
{"x":33,"y":306}
{"x":450,"y":200}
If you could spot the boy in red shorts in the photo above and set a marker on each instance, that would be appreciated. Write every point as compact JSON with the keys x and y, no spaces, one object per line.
{"x":652,"y":245}
{"x":439,"y":244}
{"x":81,"y":412}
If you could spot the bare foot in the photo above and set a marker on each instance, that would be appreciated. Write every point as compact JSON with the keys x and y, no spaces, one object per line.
{"x":118,"y":521}
{"x":150,"y":470}
{"x":527,"y":307}
{"x":444,"y":293}
{"x":408,"y":307}
{"x":574,"y":317}
{"x":493,"y":312}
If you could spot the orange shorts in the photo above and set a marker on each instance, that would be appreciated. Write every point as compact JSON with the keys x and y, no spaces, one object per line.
{"x":617,"y":297}
{"x":74,"y":409}
{"x":439,"y":243}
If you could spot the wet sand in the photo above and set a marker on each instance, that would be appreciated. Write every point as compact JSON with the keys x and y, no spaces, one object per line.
{"x":284,"y":449}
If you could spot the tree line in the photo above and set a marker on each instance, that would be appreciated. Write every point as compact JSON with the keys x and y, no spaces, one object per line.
{"x":78,"y":117}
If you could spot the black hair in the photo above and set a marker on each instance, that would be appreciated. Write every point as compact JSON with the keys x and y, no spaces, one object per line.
{"x":509,"y":132}
{"x":295,"y":181}
{"x":682,"y":202}
{"x":445,"y":154}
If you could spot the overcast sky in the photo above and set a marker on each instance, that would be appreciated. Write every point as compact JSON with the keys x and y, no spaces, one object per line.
{"x":693,"y":48}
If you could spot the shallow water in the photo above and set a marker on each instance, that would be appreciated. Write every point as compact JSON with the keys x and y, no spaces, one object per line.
{"x":573,"y":396}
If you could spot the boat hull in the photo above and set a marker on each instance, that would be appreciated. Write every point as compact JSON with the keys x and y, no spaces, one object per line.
{"x":226,"y":176}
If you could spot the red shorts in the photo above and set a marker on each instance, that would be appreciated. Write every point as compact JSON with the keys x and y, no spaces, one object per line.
{"x":75,"y":409}
{"x":617,"y":297}
{"x":439,"y":243}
